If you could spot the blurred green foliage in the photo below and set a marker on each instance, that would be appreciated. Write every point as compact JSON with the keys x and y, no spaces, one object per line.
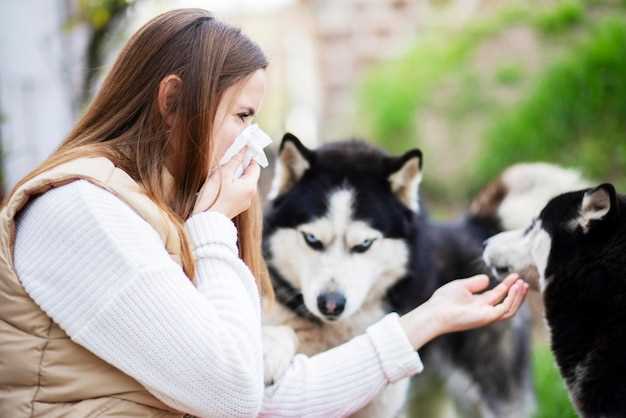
{"x":565,"y":105}
{"x":97,"y":13}
{"x":509,"y":74}
{"x":391,"y":93}
{"x":562,"y":17}
{"x":575,"y":115}
{"x":101,"y":17}
{"x":552,"y":398}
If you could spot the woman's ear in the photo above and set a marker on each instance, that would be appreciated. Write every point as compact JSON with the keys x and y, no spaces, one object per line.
{"x":169,"y":93}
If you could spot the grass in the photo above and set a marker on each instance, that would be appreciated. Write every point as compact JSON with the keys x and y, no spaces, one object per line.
{"x":551,"y":395}
{"x":552,"y":398}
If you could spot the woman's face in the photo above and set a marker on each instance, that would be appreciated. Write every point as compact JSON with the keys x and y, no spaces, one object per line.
{"x":236,"y":110}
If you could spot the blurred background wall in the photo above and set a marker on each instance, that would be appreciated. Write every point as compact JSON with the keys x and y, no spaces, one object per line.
{"x":40,"y":67}
{"x":477,"y":84}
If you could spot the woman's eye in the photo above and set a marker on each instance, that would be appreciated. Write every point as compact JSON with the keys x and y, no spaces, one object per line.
{"x":312,"y":241}
{"x":244,"y":116}
{"x":364,"y":246}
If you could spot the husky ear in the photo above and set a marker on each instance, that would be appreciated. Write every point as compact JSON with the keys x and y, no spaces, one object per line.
{"x":294,"y":159}
{"x":596,"y":204}
{"x":405,"y":175}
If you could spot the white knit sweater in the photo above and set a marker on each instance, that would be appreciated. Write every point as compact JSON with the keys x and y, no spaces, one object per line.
{"x":103,"y":274}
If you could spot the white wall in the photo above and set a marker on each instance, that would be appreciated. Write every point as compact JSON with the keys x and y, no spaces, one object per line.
{"x":40,"y":69}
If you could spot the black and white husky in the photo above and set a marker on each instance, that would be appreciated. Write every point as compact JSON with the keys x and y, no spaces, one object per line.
{"x":347,"y":240}
{"x":578,"y":247}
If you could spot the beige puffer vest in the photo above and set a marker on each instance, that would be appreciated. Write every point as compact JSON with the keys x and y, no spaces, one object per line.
{"x":43,"y":373}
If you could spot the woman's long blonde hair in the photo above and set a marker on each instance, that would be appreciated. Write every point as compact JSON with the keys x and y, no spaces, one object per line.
{"x":123,"y":122}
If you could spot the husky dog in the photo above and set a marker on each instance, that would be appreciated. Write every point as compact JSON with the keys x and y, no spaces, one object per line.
{"x":347,"y":240}
{"x":578,"y":247}
{"x":517,"y":197}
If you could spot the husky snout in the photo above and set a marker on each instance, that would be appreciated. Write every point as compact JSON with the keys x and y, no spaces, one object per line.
{"x":331,"y":304}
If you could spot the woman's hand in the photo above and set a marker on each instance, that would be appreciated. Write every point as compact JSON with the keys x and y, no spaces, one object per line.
{"x":236,"y":193}
{"x":458,"y":306}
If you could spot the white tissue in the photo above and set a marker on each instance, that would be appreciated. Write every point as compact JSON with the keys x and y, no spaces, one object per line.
{"x":256,"y":140}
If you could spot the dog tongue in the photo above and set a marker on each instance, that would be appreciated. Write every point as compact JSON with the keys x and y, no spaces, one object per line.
{"x":255,"y":140}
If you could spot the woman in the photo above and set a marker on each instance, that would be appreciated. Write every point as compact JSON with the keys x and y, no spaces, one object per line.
{"x":131,"y":274}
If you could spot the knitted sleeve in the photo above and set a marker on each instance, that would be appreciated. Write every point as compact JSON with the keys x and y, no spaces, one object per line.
{"x":340,"y":381}
{"x":102,"y":273}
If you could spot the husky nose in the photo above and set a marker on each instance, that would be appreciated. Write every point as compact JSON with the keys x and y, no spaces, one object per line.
{"x":331,"y":303}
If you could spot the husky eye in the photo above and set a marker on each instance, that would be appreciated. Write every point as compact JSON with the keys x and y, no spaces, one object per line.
{"x":312,"y":241}
{"x":364,"y":246}
{"x":501,"y":271}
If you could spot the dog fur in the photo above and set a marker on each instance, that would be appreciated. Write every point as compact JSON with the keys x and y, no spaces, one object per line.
{"x":345,"y":223}
{"x":578,"y":246}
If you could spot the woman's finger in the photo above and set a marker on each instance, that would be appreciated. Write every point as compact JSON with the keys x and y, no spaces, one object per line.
{"x":495,"y":295}
{"x":517,"y":290}
{"x":252,"y":172}
{"x":230,"y":168}
{"x":475,"y":283}
{"x":207,"y":193}
{"x":503,"y":308}
{"x":237,"y":159}
{"x":518,"y":301}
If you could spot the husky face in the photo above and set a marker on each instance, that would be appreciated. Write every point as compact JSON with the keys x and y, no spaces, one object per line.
{"x":337,"y":227}
{"x":520,"y":250}
{"x":565,"y":226}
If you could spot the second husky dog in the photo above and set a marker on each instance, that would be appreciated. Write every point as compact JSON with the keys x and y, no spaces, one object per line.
{"x":577,"y":246}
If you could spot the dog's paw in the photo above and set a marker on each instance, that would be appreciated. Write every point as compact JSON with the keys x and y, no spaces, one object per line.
{"x":280,"y":343}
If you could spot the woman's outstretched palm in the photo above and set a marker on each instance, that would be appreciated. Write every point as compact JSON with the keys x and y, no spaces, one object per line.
{"x":462,"y":307}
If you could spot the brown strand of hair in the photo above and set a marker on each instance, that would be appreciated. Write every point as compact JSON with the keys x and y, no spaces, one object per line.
{"x":123,"y":122}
